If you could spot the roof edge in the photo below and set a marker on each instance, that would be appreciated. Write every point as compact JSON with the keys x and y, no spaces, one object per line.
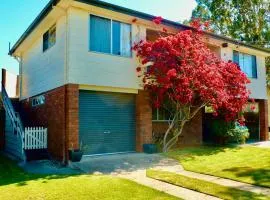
{"x":45,"y":11}
{"x":122,"y":10}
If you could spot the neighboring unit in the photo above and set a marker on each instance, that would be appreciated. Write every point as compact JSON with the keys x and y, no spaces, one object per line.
{"x":78,"y":78}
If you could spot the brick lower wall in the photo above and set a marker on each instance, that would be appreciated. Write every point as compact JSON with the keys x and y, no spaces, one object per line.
{"x":72,"y":116}
{"x":60,"y":115}
{"x":143,"y":120}
{"x":192,"y":132}
{"x":263,"y":109}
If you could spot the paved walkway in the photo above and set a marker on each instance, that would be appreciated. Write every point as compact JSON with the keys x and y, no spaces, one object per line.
{"x":259,"y":144}
{"x":221,"y":181}
{"x":183,"y":193}
{"x":133,"y":167}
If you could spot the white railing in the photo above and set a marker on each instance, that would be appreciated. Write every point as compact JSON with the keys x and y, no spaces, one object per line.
{"x":15,"y":121}
{"x":26,"y":138}
{"x":35,"y":138}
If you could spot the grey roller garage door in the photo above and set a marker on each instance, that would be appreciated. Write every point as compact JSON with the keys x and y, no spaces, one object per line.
{"x":107,"y":122}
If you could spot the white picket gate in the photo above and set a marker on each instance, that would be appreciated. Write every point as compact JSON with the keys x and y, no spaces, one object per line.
{"x":35,"y":138}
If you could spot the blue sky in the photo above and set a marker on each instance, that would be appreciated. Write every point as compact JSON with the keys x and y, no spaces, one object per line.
{"x":16,"y":16}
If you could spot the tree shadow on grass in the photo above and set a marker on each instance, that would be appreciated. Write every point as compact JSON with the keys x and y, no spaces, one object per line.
{"x":22,"y":179}
{"x":260,"y":177}
{"x":10,"y":173}
{"x":231,"y":193}
{"x":190,"y":153}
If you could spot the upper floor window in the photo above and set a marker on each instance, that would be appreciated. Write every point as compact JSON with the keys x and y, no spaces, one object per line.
{"x":109,"y":36}
{"x":247,"y":63}
{"x":49,"y":38}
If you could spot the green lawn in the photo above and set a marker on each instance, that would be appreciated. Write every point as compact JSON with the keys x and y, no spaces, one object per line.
{"x":16,"y":184}
{"x":204,"y":186}
{"x":244,"y":164}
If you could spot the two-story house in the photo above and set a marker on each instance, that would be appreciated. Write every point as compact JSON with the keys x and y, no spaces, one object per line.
{"x":78,"y":78}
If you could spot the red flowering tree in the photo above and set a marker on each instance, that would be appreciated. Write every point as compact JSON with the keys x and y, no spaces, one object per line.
{"x":183,"y":76}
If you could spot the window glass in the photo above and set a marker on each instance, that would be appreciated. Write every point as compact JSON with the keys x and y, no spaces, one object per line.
{"x":160,"y":114}
{"x":109,"y":36}
{"x":116,"y":38}
{"x":154,"y":114}
{"x":46,"y":41}
{"x":49,"y":38}
{"x":100,"y":34}
{"x":247,"y":63}
{"x":52,"y":36}
{"x":125,"y":40}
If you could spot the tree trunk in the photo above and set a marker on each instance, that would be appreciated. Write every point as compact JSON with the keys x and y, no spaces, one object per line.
{"x":167,"y":145}
{"x":187,"y":116}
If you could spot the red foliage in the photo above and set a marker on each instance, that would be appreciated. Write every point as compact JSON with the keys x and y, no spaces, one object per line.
{"x":138,"y":69}
{"x":158,"y":20}
{"x":181,"y":68}
{"x":164,"y":30}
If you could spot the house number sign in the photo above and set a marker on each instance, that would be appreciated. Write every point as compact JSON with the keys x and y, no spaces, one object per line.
{"x":39,"y":100}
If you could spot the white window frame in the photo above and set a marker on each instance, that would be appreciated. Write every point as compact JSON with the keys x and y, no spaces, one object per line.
{"x":159,"y":120}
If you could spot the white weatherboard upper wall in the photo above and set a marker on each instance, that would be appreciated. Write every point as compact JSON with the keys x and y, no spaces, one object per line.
{"x":257,"y":86}
{"x":93,"y":68}
{"x":44,"y":71}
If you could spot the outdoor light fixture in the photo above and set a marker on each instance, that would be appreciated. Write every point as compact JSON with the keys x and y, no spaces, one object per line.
{"x":224,"y":45}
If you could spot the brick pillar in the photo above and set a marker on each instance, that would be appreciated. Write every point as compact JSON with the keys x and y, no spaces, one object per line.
{"x":263,"y":109}
{"x":72,"y":117}
{"x":143,"y":120}
{"x":2,"y":128}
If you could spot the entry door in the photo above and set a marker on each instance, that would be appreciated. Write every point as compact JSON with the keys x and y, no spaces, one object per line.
{"x":107,"y":122}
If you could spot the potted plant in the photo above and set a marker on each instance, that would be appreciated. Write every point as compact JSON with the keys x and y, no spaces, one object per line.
{"x":75,"y":155}
{"x":150,"y":148}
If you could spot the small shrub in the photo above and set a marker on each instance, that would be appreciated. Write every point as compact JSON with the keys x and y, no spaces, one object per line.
{"x":239,"y":133}
{"x":225,"y":132}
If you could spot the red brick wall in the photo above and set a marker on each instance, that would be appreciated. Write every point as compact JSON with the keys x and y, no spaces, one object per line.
{"x":263,"y":109}
{"x":143,"y":120}
{"x":72,"y":116}
{"x":192,"y":132}
{"x":60,"y":115}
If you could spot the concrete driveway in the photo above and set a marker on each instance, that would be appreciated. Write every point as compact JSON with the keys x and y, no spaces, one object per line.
{"x":122,"y":163}
{"x":133,"y":167}
{"x":265,"y":144}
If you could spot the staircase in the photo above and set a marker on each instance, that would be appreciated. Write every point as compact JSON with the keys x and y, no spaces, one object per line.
{"x":19,"y":140}
{"x":14,"y":147}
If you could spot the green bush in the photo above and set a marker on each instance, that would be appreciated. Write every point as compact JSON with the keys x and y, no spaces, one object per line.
{"x":221,"y":127}
{"x":239,"y":133}
{"x":225,"y":132}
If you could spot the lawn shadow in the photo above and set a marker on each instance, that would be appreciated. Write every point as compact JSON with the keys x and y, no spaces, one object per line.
{"x":22,"y":178}
{"x":190,"y":153}
{"x":11,"y":173}
{"x":232,"y":193}
{"x":260,"y":177}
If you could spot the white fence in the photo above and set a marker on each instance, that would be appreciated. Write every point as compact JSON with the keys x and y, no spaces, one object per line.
{"x":35,"y":138}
